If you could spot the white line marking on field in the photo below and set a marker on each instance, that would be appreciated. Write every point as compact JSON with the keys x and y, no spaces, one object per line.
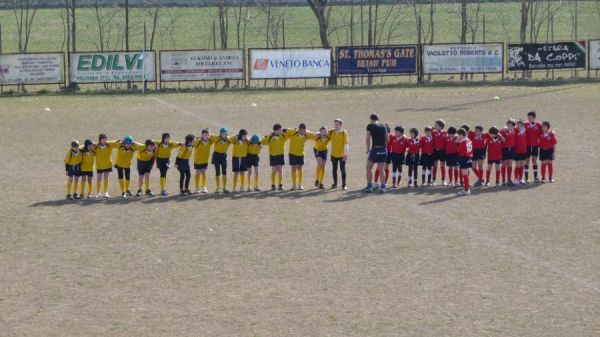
{"x":185,"y":111}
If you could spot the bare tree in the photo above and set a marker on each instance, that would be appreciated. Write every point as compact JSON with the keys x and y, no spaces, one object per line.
{"x":24,"y":16}
{"x":322,"y":11}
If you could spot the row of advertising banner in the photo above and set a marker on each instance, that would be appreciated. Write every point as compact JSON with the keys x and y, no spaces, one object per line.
{"x":200,"y":65}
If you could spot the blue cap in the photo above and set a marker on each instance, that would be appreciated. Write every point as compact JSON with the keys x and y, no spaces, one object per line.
{"x":255,"y":139}
{"x":223,"y":130}
{"x":128,"y":140}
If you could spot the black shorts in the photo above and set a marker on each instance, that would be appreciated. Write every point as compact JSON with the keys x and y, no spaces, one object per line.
{"x":388,"y":158}
{"x":73,"y":170}
{"x":533,"y":151}
{"x":547,"y":154}
{"x":426,"y":160}
{"x":182,"y":164}
{"x":104,"y":170}
{"x":478,"y":154}
{"x":296,"y":160}
{"x":398,"y":158}
{"x":320,"y":154}
{"x":219,"y":158}
{"x":144,"y":166}
{"x":465,"y":162}
{"x":87,"y":173}
{"x":276,"y":160}
{"x":252,"y":160}
{"x":239,"y":164}
{"x":490,"y":162}
{"x":508,"y":153}
{"x":200,"y":166}
{"x":412,"y":159}
{"x":439,"y":155}
{"x":451,"y":159}
{"x":520,"y":156}
{"x":163,"y":163}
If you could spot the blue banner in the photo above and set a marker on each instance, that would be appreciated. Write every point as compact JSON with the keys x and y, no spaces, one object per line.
{"x":376,"y":60}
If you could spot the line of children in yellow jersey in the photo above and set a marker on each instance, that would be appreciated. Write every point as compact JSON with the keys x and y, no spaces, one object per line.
{"x":80,"y":160}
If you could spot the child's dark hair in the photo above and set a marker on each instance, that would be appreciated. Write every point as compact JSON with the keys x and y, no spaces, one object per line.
{"x":511,"y":121}
{"x":374,"y":117}
{"x":399,"y":128}
{"x":276,"y":127}
{"x":101,"y":136}
{"x":87,"y":143}
{"x":479,"y":127}
{"x":205,"y":131}
{"x":428,"y":128}
{"x":149,"y":142}
{"x":466,"y":127}
{"x":532,"y":113}
{"x":165,"y":135}
{"x":546,"y":123}
{"x":520,"y":121}
{"x":242,"y":133}
{"x":493,"y":130}
{"x":441,"y":123}
{"x":189,"y":139}
{"x":462,"y":132}
{"x":451,"y":130}
{"x":302,"y":126}
{"x":414,"y":131}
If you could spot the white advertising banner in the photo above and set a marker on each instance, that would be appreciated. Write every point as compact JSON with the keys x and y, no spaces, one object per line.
{"x":594,"y":54}
{"x":463,"y":58}
{"x":197,"y":65}
{"x":118,"y":66}
{"x":31,"y":68}
{"x":289,"y":63}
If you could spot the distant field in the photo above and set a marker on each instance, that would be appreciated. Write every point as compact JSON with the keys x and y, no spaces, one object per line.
{"x":192,"y":26}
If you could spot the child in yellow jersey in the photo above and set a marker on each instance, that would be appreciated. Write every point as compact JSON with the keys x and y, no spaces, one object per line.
{"x":103,"y":152}
{"x":339,"y":151}
{"x":87,"y":166}
{"x":298,"y":138}
{"x":163,"y":159}
{"x":182,"y":163}
{"x":320,"y":150}
{"x":276,"y":142}
{"x":202,"y":147}
{"x":123,"y":164}
{"x":73,"y":168}
{"x":146,"y":153}
{"x":253,"y":159}
{"x":239,"y":164}
{"x":219,"y":158}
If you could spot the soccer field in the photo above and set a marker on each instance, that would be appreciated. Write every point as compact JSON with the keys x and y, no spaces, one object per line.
{"x":509,"y":261}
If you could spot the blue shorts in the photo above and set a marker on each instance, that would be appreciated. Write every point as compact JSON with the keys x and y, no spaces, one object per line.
{"x":388,"y":158}
{"x":252,"y":160}
{"x":378,"y":155}
{"x":452,"y":159}
{"x":465,"y":162}
{"x":478,"y":154}
{"x":182,"y":164}
{"x":296,"y":160}
{"x":219,"y":159}
{"x":163,"y":163}
{"x":277,"y":160}
{"x":73,"y":170}
{"x":144,"y":166}
{"x":239,"y":164}
{"x":200,"y":166}
{"x":320,"y":154}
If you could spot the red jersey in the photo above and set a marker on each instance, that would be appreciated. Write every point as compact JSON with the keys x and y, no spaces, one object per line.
{"x":439,"y":139}
{"x":509,"y":138}
{"x":465,"y":148}
{"x":478,"y":140}
{"x":451,"y":145}
{"x":414,"y":146}
{"x":388,"y":146}
{"x":426,"y":144}
{"x":547,"y":140}
{"x":520,"y":141}
{"x":398,"y":144}
{"x":533,"y":131}
{"x":494,"y":147}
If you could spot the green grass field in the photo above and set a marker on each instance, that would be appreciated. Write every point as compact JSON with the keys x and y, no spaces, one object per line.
{"x":191,"y":28}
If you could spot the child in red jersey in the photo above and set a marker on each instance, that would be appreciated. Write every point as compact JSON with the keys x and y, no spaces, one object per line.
{"x":465,"y":156}
{"x":494,"y":148}
{"x":398,"y":143}
{"x":426,"y":156}
{"x":451,"y":153}
{"x":547,"y":144}
{"x":478,"y":141}
{"x":520,"y":154}
{"x":412,"y":158}
{"x":508,"y":145}
{"x":388,"y":159}
{"x":439,"y":136}
{"x":533,"y":128}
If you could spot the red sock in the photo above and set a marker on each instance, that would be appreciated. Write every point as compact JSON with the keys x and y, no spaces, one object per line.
{"x":387,"y":174}
{"x":509,"y":173}
{"x":434,"y":173}
{"x":461,"y":176}
{"x":497,"y":176}
{"x":550,"y":169}
{"x":487,"y":175}
{"x":376,"y":179}
{"x":466,"y":181}
{"x":503,"y":170}
{"x":544,"y":171}
{"x":516,"y":173}
{"x":479,"y":173}
{"x":443,"y":169}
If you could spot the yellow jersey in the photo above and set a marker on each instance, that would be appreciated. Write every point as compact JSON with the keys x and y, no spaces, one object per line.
{"x":143,"y":154}
{"x":201,"y":151}
{"x":73,"y":158}
{"x":297,"y":141}
{"x":276,"y":143}
{"x":321,"y":143}
{"x":163,"y":150}
{"x":221,"y":145}
{"x":185,"y":152}
{"x":124,"y":156}
{"x":104,"y":154}
{"x":87,"y":160}
{"x":240,"y":147}
{"x":254,"y":148}
{"x":339,"y":140}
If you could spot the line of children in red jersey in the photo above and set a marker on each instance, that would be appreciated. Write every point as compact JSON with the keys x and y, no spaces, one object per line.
{"x":452,"y":152}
